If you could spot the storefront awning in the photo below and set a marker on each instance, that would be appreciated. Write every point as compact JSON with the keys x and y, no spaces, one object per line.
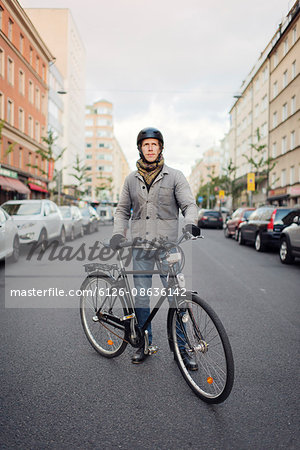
{"x":12,"y":184}
{"x":35,"y":187}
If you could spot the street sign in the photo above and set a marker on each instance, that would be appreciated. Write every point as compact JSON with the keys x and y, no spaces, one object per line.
{"x":211,"y":197}
{"x":251,"y":181}
{"x":200,"y":199}
{"x":221,"y":195}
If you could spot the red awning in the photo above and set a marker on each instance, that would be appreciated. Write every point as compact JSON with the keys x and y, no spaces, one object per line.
{"x":12,"y":184}
{"x":35,"y":187}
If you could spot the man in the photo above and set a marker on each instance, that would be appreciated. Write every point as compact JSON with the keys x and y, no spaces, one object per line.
{"x":154,"y":193}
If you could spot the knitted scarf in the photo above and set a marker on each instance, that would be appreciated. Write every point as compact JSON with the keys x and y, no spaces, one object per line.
{"x":149,"y":171}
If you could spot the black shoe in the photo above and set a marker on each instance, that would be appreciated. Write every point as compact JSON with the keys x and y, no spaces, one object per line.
{"x":188,"y":360}
{"x":139,"y":356}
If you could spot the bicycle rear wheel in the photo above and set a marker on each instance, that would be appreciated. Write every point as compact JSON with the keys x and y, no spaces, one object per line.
{"x":208,"y":344}
{"x":97,"y":299}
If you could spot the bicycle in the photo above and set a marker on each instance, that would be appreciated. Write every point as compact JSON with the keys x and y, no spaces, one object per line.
{"x":109,"y":321}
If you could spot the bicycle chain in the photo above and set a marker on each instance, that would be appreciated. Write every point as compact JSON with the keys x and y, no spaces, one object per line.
{"x":113,"y":332}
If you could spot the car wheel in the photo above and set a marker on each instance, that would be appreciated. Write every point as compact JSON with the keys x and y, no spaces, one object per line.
{"x":241,"y":240}
{"x":16,"y":250}
{"x":259,"y":246}
{"x":72,"y":235}
{"x":226,"y":232}
{"x":236,"y":234}
{"x":285,"y":252}
{"x":42,"y":242}
{"x":62,"y":237}
{"x":81,"y":231}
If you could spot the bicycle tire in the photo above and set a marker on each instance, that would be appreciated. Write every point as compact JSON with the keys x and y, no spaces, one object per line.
{"x":213,"y":380}
{"x":105,"y":338}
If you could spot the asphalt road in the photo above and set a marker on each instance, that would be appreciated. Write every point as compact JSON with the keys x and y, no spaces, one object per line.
{"x":58,"y":393}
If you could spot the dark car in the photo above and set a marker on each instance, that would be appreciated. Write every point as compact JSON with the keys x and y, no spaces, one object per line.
{"x":264,"y":226}
{"x":90,"y":219}
{"x":210,"y":218}
{"x":232,"y":223}
{"x":290,"y":242}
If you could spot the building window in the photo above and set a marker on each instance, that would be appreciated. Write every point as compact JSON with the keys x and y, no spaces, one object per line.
{"x":285,"y":46}
{"x":21,"y":44}
{"x":88,"y":145}
{"x":273,"y":179}
{"x":294,"y":34}
{"x":293,"y":140}
{"x":275,"y":89}
{"x":89,"y":156}
{"x":264,"y":103}
{"x":88,"y":133}
{"x":10,"y":112}
{"x":37,"y":65}
{"x":30,"y":91}
{"x":275,"y":58}
{"x":44,"y":72}
{"x":29,"y":162}
{"x":10,"y":29}
{"x":283,"y":145}
{"x":283,"y":177}
{"x":43,"y":104}
{"x":21,"y":119}
{"x":89,"y":180}
{"x":1,"y":105}
{"x":30,"y":126}
{"x":37,"y":98}
{"x":256,"y":110}
{"x":274,"y":150}
{"x":293,"y":70}
{"x":293,"y":104}
{"x":89,"y":122}
{"x":275,"y":119}
{"x":285,"y":79}
{"x":10,"y":71}
{"x":257,"y":84}
{"x":1,"y":62}
{"x":37,"y":132}
{"x":30,"y":55}
{"x":284,"y":112}
{"x":20,"y":157}
{"x":292,"y":175}
{"x":21,"y":82}
{"x":264,"y":130}
{"x":101,"y":168}
{"x":265,"y":74}
{"x":1,"y":18}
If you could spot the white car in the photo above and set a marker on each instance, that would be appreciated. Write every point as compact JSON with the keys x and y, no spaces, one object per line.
{"x":9,"y":239}
{"x":37,"y":220}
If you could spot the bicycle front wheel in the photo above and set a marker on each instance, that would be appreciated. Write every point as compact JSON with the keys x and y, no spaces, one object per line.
{"x":206,"y":342}
{"x":97,"y":300}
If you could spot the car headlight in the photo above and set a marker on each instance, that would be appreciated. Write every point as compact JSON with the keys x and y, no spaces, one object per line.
{"x":27,"y":225}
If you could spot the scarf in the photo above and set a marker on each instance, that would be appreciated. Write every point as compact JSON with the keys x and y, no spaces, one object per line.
{"x":149,"y":171}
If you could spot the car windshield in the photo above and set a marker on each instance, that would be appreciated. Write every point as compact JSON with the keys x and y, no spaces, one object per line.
{"x":66,"y":213}
{"x":247,"y":214}
{"x":212,"y":213}
{"x":23,"y":209}
{"x":85,"y":212}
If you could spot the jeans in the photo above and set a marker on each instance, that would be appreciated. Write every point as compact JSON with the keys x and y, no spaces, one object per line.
{"x":145,"y":260}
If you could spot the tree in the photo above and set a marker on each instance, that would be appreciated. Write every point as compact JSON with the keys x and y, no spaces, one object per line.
{"x":260,"y":165}
{"x":105,"y":184}
{"x":80,"y":175}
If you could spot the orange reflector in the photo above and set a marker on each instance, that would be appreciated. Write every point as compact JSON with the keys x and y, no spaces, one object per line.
{"x":210,"y":380}
{"x":110,"y":342}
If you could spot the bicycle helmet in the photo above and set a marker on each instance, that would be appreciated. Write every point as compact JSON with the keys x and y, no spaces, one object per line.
{"x":147,"y":133}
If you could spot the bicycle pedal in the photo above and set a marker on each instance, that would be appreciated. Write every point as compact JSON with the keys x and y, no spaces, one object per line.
{"x":152,"y":349}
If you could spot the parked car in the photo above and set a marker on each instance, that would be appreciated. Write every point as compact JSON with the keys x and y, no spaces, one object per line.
{"x":90,"y":219}
{"x":290,"y":242}
{"x":37,"y":220}
{"x":73,"y":221}
{"x":264,"y":225}
{"x":9,"y":238}
{"x":232,"y":223}
{"x":210,"y":218}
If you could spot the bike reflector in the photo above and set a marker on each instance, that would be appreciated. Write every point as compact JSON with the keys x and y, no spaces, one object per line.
{"x":110,"y":342}
{"x":210,"y":380}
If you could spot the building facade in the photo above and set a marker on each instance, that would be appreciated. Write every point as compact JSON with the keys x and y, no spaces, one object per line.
{"x":106,"y":164}
{"x":58,"y":29}
{"x":208,"y":166}
{"x":268,"y":103}
{"x":24,"y":61}
{"x":284,"y":134}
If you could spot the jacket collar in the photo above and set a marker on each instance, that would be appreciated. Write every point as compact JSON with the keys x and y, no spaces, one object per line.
{"x":164,"y":170}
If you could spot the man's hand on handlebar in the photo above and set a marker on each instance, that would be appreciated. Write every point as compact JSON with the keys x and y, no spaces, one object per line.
{"x":192,"y":229}
{"x":116,"y":240}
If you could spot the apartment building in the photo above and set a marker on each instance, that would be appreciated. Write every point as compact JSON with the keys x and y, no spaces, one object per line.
{"x":208,"y":165}
{"x":24,"y":61}
{"x":105,"y":160}
{"x":284,"y":134}
{"x":59,"y":30}
{"x":268,"y":101}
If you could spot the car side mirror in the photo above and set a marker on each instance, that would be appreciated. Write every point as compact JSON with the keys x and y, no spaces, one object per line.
{"x":296,"y":220}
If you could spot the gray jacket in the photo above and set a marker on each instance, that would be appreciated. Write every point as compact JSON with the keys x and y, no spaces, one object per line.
{"x":155,"y":213}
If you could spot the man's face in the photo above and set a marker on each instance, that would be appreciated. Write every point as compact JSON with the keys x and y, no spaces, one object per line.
{"x":151,"y":149}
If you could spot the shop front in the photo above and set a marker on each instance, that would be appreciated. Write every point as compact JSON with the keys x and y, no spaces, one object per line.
{"x":278,"y":197}
{"x":294,"y":193}
{"x":38,"y":189}
{"x":11,"y":187}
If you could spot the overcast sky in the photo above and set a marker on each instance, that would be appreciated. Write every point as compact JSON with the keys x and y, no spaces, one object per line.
{"x":170,"y":64}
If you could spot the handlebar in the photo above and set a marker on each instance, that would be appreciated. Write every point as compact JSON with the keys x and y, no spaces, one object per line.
{"x":158,"y":243}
